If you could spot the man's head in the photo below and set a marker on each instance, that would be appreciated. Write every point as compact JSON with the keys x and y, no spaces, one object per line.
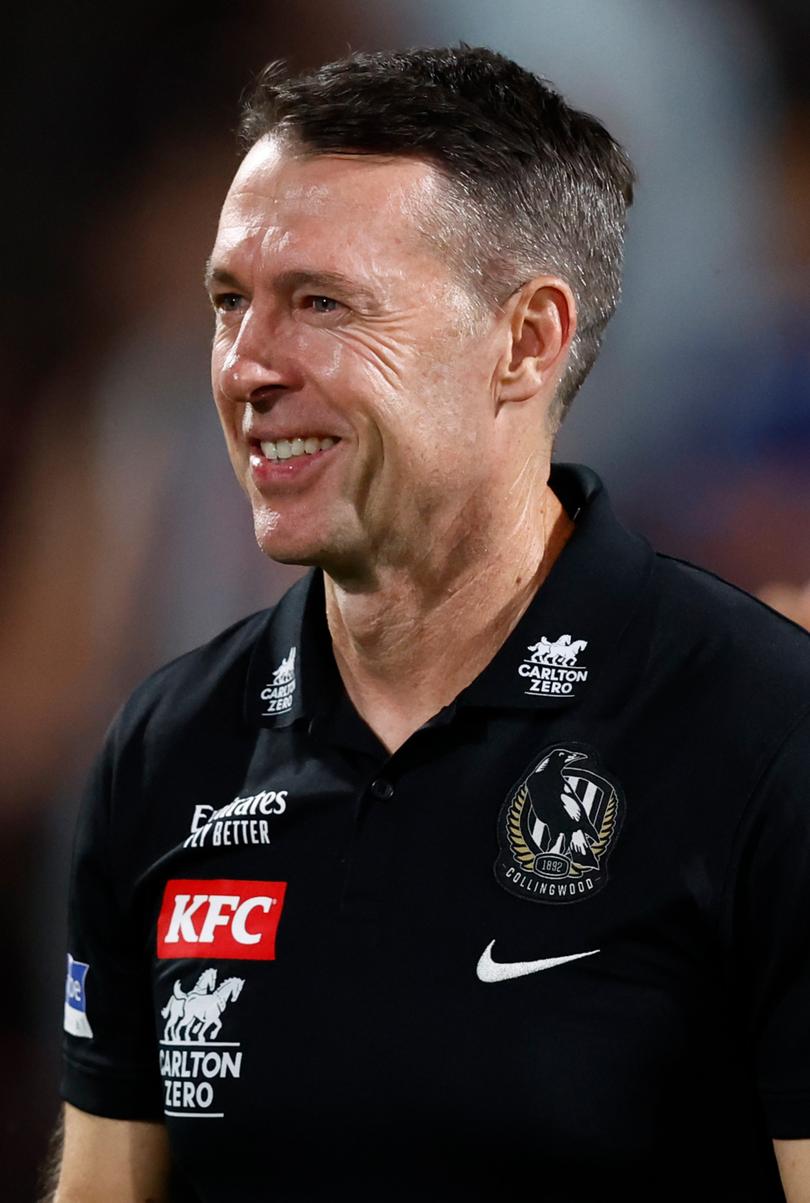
{"x":531,"y":186}
{"x":406,"y":292}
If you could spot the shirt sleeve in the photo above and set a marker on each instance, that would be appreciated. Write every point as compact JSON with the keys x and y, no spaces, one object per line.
{"x":769,"y":914}
{"x":110,"y":1063}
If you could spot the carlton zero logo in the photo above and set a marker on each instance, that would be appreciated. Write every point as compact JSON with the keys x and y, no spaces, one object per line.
{"x":194,"y":1063}
{"x":220,"y":919}
{"x":278,"y":695}
{"x":558,"y":827}
{"x":553,"y":669}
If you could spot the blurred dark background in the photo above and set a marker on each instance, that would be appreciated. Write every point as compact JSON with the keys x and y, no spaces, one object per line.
{"x":124,"y":541}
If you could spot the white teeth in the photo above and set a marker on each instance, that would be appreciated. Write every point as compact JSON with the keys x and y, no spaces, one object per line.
{"x":275,"y":449}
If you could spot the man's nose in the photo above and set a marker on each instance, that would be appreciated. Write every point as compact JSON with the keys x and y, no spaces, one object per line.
{"x":252,"y":362}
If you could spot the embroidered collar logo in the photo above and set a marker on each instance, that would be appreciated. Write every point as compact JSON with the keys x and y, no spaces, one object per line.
{"x":278,"y":694}
{"x":552,"y":668}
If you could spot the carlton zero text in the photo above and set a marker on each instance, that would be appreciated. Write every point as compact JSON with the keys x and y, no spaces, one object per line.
{"x":544,"y":679}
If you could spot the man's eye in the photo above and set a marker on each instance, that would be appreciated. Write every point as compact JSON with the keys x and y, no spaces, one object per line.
{"x":227,"y":302}
{"x":322,"y":304}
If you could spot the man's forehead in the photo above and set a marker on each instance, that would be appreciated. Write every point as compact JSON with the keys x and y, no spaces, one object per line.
{"x":278,"y":181}
{"x":363,"y":216}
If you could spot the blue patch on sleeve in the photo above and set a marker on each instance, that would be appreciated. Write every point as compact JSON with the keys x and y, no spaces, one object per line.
{"x":76,"y":1021}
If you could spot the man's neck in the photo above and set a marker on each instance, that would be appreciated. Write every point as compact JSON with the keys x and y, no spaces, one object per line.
{"x":407,"y":647}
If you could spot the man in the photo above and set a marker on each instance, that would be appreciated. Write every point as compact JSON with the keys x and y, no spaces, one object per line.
{"x":478,"y":867}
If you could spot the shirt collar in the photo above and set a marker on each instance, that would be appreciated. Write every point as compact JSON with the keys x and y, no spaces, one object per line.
{"x":550,"y":660}
{"x":577,"y":616}
{"x":292,"y":666}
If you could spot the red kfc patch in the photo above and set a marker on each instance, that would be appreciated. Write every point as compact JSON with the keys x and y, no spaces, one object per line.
{"x":220,"y":919}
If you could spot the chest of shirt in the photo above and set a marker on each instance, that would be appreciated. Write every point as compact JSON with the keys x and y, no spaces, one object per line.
{"x":583,"y":828}
{"x":422,"y":929}
{"x":445,"y":867}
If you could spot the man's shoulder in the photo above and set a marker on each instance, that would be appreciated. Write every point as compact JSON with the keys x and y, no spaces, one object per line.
{"x":214,"y":673}
{"x":733,"y":644}
{"x":204,"y":685}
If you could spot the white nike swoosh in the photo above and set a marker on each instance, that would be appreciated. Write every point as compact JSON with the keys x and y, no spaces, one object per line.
{"x":497,"y":971}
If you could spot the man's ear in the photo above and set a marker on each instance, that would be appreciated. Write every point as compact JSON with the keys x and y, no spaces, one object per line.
{"x":541,"y":328}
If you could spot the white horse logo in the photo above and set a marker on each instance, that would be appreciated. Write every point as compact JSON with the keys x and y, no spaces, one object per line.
{"x":286,"y":670}
{"x":196,"y":1015}
{"x":175,"y":1007}
{"x":563,"y":651}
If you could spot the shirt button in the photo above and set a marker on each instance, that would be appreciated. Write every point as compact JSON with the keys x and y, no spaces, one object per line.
{"x":382,"y":789}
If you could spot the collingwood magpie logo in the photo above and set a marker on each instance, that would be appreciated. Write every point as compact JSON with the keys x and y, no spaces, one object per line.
{"x":278,"y":695}
{"x":552,"y":669}
{"x":558,"y":826}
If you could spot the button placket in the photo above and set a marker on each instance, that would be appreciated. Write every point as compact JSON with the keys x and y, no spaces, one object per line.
{"x":381,"y":788}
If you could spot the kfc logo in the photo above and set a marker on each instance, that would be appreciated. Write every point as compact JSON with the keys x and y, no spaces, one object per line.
{"x":220,"y":919}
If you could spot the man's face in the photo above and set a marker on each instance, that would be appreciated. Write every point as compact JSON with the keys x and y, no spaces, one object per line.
{"x":355,"y":393}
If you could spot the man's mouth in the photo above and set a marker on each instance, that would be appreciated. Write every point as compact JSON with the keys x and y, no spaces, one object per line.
{"x":304,"y":444}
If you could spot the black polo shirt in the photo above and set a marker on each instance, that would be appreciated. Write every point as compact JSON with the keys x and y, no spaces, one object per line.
{"x":555,"y":947}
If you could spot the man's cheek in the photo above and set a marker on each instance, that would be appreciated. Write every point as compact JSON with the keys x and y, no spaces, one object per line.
{"x":221,"y":344}
{"x":228,"y":415}
{"x":378,"y":355}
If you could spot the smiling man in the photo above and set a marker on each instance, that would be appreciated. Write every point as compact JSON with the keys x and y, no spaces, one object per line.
{"x":478,"y":867}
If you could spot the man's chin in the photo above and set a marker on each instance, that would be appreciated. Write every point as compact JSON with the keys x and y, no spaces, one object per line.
{"x":285,"y":548}
{"x":351,"y":571}
{"x":281,"y":541}
{"x":282,"y":553}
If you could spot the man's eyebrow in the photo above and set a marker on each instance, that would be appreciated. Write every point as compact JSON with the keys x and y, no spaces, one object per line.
{"x":218,"y":275}
{"x":298,"y":278}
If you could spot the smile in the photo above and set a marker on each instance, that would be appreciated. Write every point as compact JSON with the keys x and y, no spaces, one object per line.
{"x":275,"y":449}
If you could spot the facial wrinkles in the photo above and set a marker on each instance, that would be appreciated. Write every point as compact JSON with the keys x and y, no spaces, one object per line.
{"x":382,"y":338}
{"x":379,"y":339}
{"x":415,"y":475}
{"x":439,"y":563}
{"x":254,"y":225}
{"x":468,"y":536}
{"x":333,"y":367}
{"x":275,"y":238}
{"x":525,"y":518}
{"x":309,"y":199}
{"x":241,"y":231}
{"x":398,"y":338}
{"x":432,"y":514}
{"x":381,"y":345}
{"x":524,"y":478}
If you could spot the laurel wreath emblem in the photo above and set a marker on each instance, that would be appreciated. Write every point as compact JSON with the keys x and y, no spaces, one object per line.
{"x":520,"y":849}
{"x":524,"y":854}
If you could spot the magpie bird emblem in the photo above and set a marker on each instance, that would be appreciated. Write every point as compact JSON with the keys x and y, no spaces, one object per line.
{"x":557,"y":827}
